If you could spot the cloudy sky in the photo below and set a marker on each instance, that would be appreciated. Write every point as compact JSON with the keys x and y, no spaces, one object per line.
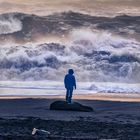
{"x":94,"y":7}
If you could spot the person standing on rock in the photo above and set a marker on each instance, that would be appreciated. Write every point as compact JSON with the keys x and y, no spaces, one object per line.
{"x":70,"y":83}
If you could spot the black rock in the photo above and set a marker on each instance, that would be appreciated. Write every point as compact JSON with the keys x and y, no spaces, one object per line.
{"x":74,"y":106}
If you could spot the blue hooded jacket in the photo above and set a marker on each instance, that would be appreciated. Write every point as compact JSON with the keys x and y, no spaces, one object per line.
{"x":70,"y":81}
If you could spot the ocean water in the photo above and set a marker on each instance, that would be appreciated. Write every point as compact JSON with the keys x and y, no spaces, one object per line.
{"x":34,"y":58}
{"x":104,"y":59}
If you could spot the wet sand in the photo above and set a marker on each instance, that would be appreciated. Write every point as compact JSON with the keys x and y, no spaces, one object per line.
{"x":94,"y":96}
{"x":109,"y":120}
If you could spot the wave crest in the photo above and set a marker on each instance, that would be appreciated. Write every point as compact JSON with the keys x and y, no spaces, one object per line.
{"x":104,"y":58}
{"x":9,"y":24}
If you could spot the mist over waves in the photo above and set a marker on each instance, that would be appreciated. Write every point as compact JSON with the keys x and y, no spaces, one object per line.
{"x":104,"y":49}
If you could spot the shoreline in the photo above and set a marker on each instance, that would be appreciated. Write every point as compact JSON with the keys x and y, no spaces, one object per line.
{"x":97,"y":96}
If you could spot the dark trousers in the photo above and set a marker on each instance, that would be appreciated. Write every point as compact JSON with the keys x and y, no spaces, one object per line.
{"x":69,"y":94}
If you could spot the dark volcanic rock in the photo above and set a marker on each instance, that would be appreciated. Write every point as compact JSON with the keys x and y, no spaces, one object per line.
{"x":63,"y":105}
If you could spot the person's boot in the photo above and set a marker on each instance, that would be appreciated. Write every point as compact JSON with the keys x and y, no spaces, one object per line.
{"x":69,"y":100}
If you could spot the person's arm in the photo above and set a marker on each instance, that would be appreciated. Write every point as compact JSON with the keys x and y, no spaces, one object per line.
{"x":74,"y":82}
{"x":65,"y":81}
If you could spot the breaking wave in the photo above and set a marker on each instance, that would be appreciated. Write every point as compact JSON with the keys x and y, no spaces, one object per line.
{"x":24,"y":28}
{"x":9,"y":24}
{"x":95,"y":56}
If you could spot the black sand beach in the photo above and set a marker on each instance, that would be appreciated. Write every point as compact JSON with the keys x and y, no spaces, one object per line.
{"x":109,"y":120}
{"x":41,"y":40}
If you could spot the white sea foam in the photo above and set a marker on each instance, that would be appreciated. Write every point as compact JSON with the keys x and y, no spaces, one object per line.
{"x":95,"y":56}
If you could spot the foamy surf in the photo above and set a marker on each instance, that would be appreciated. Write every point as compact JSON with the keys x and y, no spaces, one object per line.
{"x":52,"y":88}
